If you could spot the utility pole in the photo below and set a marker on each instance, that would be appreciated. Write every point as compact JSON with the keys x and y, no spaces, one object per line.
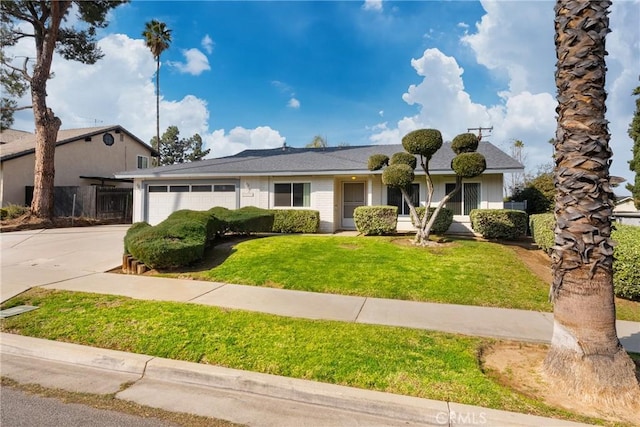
{"x":480,"y":129}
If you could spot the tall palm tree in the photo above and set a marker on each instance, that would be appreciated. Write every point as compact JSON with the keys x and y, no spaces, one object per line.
{"x":157,"y":37}
{"x":585,"y":357}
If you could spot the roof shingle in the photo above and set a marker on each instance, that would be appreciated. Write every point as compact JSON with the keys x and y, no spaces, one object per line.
{"x":314,"y":161}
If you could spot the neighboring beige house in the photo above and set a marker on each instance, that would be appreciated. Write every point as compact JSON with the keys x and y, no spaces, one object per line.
{"x":333,"y":181}
{"x":625,"y":204}
{"x":84,"y":157}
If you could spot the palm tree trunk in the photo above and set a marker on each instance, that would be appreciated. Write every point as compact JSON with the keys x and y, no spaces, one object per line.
{"x":585,"y":358}
{"x":158,"y":104}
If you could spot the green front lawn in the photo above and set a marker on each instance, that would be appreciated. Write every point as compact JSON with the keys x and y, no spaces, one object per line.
{"x":461,"y":272}
{"x":397,"y":360}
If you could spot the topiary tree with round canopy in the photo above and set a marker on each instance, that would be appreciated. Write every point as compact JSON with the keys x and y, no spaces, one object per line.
{"x":424,"y":143}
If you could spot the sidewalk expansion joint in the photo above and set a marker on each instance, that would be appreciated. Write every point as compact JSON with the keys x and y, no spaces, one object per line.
{"x":361,"y":308}
{"x":28,"y":237}
{"x":207,"y":292}
{"x":93,"y":273}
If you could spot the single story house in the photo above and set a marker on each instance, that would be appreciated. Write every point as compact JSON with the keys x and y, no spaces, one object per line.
{"x":332,"y":180}
{"x":84,"y":157}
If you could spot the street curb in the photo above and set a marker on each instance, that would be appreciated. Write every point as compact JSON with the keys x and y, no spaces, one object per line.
{"x":405,"y":408}
{"x":55,"y":351}
{"x":394,"y":406}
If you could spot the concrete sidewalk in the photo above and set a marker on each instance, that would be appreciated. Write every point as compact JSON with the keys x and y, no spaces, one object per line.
{"x":518,"y":325}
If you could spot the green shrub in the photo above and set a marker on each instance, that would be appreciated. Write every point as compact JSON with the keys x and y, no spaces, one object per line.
{"x":212,"y":223}
{"x":376,"y":220}
{"x":464,"y":143}
{"x":469,"y":165}
{"x":250,"y":219}
{"x":398,"y":175}
{"x":172,"y":243}
{"x":132,"y":232}
{"x":542,"y":230}
{"x":626,"y":264}
{"x":377,"y":161}
{"x":499,"y":223}
{"x":442,"y":222}
{"x":12,"y":211}
{"x":424,"y":142}
{"x":295,"y":221}
{"x":404,"y":158}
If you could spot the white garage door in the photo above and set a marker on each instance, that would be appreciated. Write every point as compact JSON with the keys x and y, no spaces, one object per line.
{"x":162,"y":200}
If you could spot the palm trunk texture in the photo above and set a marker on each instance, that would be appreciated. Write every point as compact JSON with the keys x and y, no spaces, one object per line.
{"x":585,"y":358}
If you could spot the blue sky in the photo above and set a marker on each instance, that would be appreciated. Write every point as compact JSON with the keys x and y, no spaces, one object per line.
{"x":258,"y":74}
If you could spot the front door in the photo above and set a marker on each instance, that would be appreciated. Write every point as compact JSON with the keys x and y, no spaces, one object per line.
{"x":353,"y":195}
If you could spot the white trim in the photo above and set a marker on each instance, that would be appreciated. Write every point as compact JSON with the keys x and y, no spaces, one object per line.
{"x":237,"y":175}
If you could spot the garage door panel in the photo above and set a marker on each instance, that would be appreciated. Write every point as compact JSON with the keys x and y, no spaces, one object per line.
{"x":162,"y":204}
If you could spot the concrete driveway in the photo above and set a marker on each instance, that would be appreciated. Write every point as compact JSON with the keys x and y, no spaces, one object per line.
{"x":41,"y":257}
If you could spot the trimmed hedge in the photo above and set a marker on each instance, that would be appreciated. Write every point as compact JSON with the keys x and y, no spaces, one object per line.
{"x":295,"y":221}
{"x":172,"y":243}
{"x":542,"y":230}
{"x":246,"y":220}
{"x":469,"y":165}
{"x":212,"y":223}
{"x":499,"y":223}
{"x":132,"y":232}
{"x":424,"y":142}
{"x":442,"y":222}
{"x":251,"y":220}
{"x":376,"y":220}
{"x":626,"y":262}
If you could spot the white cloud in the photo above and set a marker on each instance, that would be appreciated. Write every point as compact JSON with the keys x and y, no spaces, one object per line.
{"x":207,"y":44}
{"x":375,"y":5}
{"x":239,"y":138}
{"x":515,"y":42}
{"x":196,"y":62}
{"x":293,"y":103}
{"x":463,"y":25}
{"x":283,"y":87}
{"x":381,"y":113}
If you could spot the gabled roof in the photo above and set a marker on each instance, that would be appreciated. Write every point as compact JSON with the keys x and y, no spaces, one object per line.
{"x":14,"y":143}
{"x":315,"y":161}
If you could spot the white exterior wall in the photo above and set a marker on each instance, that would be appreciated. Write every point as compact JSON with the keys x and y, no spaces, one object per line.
{"x":139,"y":200}
{"x":254,"y":191}
{"x":326,"y":196}
{"x":322,"y":200}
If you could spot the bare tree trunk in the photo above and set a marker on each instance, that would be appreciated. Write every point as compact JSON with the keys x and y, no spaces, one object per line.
{"x":585,"y":358}
{"x":422,"y":235}
{"x":46,"y":123}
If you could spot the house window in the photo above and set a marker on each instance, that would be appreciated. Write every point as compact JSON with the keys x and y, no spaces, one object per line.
{"x":394,"y":198}
{"x":143,"y":162}
{"x":465,"y":200}
{"x":292,"y":194}
{"x":179,"y":188}
{"x":224,"y":188}
{"x":157,"y":189}
{"x":201,"y":188}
